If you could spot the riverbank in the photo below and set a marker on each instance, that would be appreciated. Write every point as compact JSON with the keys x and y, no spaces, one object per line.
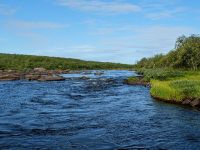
{"x":29,"y":62}
{"x":38,"y":74}
{"x":172,"y":86}
{"x":44,"y":68}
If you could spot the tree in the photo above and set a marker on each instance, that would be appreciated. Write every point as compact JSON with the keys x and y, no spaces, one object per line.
{"x":180,"y":40}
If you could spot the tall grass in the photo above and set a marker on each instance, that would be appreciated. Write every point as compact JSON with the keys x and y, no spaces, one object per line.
{"x":163,"y":90}
{"x":160,"y":74}
{"x":169,"y":84}
{"x":177,"y":89}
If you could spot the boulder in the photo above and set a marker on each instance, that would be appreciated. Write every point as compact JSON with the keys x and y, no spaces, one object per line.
{"x":84,"y":78}
{"x":186,"y":102}
{"x":51,"y":78}
{"x":195,"y":103}
{"x":98,"y":73}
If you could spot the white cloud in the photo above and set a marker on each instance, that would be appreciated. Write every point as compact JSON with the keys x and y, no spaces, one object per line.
{"x":7,"y":10}
{"x":83,"y":48}
{"x":154,"y":9}
{"x":163,"y":14}
{"x":145,"y":41}
{"x":110,"y":29}
{"x":18,"y":24}
{"x":111,"y":7}
{"x":162,"y":9}
{"x":162,"y":37}
{"x":32,"y":32}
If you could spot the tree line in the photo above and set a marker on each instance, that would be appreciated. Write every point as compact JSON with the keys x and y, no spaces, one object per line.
{"x":185,"y":55}
{"x":28,"y":62}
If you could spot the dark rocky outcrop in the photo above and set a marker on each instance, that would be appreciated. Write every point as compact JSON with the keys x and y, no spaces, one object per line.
{"x":38,"y":74}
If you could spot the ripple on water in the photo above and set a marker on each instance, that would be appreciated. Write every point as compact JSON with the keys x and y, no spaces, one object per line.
{"x":96,"y":113}
{"x":42,"y":101}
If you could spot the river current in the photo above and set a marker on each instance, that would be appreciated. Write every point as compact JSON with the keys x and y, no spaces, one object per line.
{"x":89,"y":111}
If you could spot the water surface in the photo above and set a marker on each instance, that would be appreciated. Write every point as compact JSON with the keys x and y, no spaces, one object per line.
{"x":99,"y":112}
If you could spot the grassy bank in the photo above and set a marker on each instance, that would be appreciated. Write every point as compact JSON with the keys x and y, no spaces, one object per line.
{"x":171,"y":85}
{"x":179,"y":88}
{"x":26,"y":62}
{"x":175,"y":76}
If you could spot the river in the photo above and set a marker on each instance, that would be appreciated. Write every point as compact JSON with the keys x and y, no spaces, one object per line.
{"x":99,"y":112}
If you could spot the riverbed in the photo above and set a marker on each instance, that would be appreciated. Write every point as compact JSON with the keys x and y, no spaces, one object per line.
{"x":92,"y":111}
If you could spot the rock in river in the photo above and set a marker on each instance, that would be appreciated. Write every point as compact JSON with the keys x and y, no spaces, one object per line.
{"x":51,"y":78}
{"x":195,"y":103}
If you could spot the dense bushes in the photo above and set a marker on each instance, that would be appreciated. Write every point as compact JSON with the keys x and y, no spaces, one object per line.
{"x":26,"y":62}
{"x":174,"y":76}
{"x":186,"y":55}
{"x":159,"y":74}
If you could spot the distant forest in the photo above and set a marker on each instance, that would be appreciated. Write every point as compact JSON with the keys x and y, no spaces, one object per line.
{"x":28,"y":62}
{"x":186,"y":55}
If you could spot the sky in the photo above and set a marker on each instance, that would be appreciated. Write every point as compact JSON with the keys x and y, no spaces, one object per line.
{"x":122,"y":31}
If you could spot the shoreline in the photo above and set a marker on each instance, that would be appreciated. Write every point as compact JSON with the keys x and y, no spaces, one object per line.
{"x":195,"y":103}
{"x":191,"y":102}
{"x":37,"y":74}
{"x":41,"y":74}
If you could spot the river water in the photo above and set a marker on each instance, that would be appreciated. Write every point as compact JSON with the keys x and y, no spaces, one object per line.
{"x":99,"y":112}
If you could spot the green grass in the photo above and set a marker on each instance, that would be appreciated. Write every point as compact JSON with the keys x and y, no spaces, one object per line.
{"x":162,"y":90}
{"x":28,"y":62}
{"x":160,"y":74}
{"x":176,"y":85}
{"x":133,"y":79}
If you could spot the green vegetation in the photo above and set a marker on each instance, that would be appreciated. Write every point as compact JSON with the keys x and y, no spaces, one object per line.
{"x":171,"y":85}
{"x":174,"y":76}
{"x":186,"y":86}
{"x":159,"y":74}
{"x":133,"y":79}
{"x":186,"y":55}
{"x":27,"y":62}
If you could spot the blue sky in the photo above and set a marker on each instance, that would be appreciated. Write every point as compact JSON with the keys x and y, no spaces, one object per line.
{"x":102,"y":30}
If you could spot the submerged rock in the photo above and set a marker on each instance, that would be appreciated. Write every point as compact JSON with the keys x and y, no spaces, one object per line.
{"x":98,"y":73}
{"x":84,"y":78}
